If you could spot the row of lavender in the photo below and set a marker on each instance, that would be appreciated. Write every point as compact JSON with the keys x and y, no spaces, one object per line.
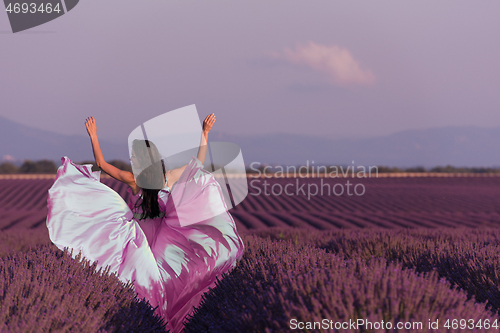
{"x":422,"y":280}
{"x":386,"y":203}
{"x":388,"y":194}
{"x":288,"y":278}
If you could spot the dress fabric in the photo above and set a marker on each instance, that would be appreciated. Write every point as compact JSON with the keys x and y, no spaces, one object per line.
{"x":172,"y":264}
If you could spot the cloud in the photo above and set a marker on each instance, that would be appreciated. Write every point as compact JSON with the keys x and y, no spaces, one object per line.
{"x":8,"y":158}
{"x":337,"y":62}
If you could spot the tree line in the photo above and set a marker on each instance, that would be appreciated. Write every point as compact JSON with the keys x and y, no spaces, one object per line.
{"x":382,"y":169}
{"x":48,"y":167}
{"x":439,"y":169}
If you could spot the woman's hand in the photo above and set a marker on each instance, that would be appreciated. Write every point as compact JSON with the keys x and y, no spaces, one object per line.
{"x":91,"y":126}
{"x":121,"y":175}
{"x":208,"y":123}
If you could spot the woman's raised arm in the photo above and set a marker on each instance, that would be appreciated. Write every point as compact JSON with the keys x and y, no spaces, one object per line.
{"x":207,"y":126}
{"x":174,"y":175}
{"x":121,"y":175}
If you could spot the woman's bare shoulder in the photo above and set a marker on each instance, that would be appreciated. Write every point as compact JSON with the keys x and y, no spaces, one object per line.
{"x":170,"y":178}
{"x":174,"y":175}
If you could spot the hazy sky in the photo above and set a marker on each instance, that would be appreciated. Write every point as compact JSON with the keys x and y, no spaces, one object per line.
{"x":329,"y":68}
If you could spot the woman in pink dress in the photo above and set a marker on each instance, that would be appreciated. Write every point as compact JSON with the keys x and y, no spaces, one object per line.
{"x":171,"y":263}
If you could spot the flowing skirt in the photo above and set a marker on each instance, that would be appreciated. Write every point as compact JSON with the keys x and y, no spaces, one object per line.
{"x":172,"y":260}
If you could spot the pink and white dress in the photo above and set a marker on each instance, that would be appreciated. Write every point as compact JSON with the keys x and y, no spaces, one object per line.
{"x":171,"y":265}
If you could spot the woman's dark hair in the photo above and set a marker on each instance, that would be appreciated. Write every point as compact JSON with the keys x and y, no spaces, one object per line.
{"x":151,"y":178}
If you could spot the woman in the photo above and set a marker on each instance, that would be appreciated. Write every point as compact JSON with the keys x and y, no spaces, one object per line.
{"x":171,"y":263}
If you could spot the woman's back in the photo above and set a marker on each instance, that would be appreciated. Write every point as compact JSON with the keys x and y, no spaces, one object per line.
{"x":150,"y":226}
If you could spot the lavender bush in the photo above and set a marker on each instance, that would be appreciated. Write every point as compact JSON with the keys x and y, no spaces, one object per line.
{"x":468,"y":258}
{"x":45,"y":290}
{"x":307,"y":275}
{"x":279,"y":282}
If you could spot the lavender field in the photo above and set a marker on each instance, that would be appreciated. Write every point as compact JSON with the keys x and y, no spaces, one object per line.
{"x":428,"y":202}
{"x":420,"y":252}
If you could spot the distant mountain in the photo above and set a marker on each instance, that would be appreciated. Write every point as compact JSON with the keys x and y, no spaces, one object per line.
{"x":457,"y":146}
{"x":22,"y":142}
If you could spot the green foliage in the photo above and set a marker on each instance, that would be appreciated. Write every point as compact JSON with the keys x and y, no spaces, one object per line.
{"x":445,"y":169}
{"x":452,"y":169}
{"x":416,"y":169}
{"x":381,"y":169}
{"x":386,"y":169}
{"x":7,"y":168}
{"x":43,"y":166}
{"x":48,"y":167}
